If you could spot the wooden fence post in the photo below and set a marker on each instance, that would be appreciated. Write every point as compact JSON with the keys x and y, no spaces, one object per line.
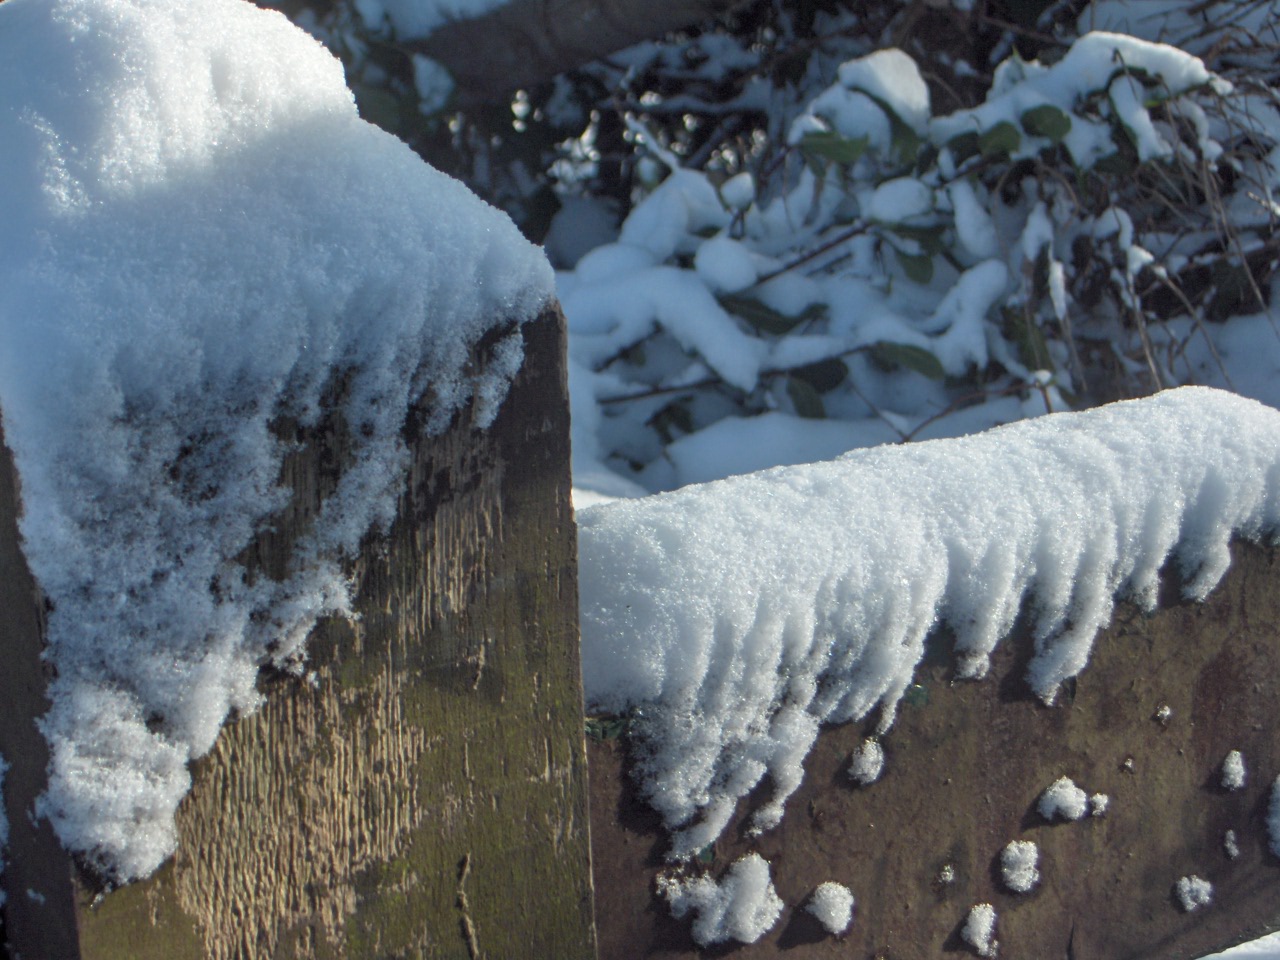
{"x":966,"y":765}
{"x":426,"y":797}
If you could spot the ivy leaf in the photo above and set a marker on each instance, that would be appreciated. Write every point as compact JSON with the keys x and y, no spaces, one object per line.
{"x":806,"y":400}
{"x":762,"y":317}
{"x":1003,"y":138}
{"x":963,"y":146}
{"x":1046,"y":121}
{"x":929,"y":239}
{"x":889,"y":355}
{"x":824,"y":375}
{"x":832,"y":146}
{"x":917,"y":267}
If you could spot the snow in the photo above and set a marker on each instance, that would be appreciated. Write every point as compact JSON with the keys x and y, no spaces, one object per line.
{"x":201,"y":238}
{"x":899,"y":200}
{"x":1230,"y":845}
{"x":1091,"y":64}
{"x":1234,"y":774}
{"x":743,"y":906}
{"x":979,"y":930}
{"x":867,"y":762}
{"x":726,"y":265}
{"x":1063,"y":800}
{"x":1193,"y":893}
{"x":892,"y":78}
{"x":832,"y":904}
{"x":736,"y":616}
{"x":1019,"y":866}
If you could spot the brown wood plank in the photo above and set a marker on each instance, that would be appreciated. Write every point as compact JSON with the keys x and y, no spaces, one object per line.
{"x":427,"y":796}
{"x":966,"y":764}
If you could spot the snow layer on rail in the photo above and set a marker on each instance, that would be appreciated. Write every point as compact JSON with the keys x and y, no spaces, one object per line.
{"x":733,"y":618}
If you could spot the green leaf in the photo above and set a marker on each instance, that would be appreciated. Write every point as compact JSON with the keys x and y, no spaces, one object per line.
{"x":806,"y":400}
{"x":1003,"y":138}
{"x":889,"y":355}
{"x":673,"y":417}
{"x":832,"y":146}
{"x":378,"y":107}
{"x":963,"y":146}
{"x":917,"y":267}
{"x":929,"y":239}
{"x":606,"y":728}
{"x":766,"y":319}
{"x":824,"y":375}
{"x":1046,"y":121}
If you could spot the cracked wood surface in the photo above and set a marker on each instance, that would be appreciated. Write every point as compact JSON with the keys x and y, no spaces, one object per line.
{"x":965,"y":765}
{"x":426,"y":795}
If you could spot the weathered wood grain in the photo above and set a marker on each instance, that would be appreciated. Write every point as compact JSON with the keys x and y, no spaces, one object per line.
{"x":966,"y":764}
{"x":425,"y":796}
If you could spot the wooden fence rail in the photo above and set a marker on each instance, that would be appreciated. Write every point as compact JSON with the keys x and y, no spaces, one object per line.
{"x":427,"y":796}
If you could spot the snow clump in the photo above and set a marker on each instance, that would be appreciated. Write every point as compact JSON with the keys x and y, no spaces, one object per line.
{"x":1230,"y":845}
{"x":1193,"y":893}
{"x":979,"y":930}
{"x":202,"y":240}
{"x":832,"y":904}
{"x":735,"y":617}
{"x":743,"y":906}
{"x":867,"y":763}
{"x":1019,"y":866}
{"x":1234,"y":773}
{"x":1063,"y":800}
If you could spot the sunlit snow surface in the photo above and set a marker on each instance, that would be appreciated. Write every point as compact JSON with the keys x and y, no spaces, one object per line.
{"x":735,"y":617}
{"x":200,"y":235}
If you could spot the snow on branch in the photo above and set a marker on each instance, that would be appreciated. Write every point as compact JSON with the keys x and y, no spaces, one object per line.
{"x":733,"y":618}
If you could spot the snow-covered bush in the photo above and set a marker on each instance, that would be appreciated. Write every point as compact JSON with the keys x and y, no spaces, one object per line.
{"x":902,"y":273}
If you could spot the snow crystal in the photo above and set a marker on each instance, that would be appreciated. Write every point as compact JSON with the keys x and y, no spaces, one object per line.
{"x":979,"y":930}
{"x":724,"y":611}
{"x":832,"y":904}
{"x":1019,"y":866}
{"x":200,"y":238}
{"x":868,"y":762}
{"x":743,"y":906}
{"x":1233,"y":771}
{"x":1193,"y":893}
{"x":1063,"y":800}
